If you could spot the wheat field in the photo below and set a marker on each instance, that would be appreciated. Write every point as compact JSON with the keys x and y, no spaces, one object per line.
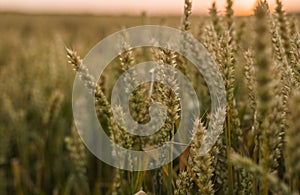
{"x":258,"y":57}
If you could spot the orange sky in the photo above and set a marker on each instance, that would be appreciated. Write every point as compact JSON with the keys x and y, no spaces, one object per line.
{"x":152,"y":7}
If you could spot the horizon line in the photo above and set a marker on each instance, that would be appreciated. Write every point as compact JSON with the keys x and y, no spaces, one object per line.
{"x":171,"y":14}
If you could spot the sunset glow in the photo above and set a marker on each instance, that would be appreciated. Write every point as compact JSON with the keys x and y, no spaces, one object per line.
{"x":153,"y":7}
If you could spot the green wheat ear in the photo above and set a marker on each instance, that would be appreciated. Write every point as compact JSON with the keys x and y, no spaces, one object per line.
{"x":289,"y":52}
{"x":201,"y":165}
{"x":292,"y":156}
{"x":214,"y":15}
{"x":264,"y":88}
{"x":258,"y":171}
{"x":78,"y":157}
{"x":53,"y":107}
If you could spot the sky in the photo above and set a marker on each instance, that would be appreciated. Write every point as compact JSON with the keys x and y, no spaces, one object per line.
{"x":152,"y":7}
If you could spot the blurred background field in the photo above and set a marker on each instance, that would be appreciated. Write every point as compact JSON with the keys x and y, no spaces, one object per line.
{"x":36,"y":91}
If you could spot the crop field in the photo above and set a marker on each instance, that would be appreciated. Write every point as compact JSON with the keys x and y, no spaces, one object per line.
{"x":257,"y":151}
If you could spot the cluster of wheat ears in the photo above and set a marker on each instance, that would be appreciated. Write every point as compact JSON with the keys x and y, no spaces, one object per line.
{"x":257,"y":153}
